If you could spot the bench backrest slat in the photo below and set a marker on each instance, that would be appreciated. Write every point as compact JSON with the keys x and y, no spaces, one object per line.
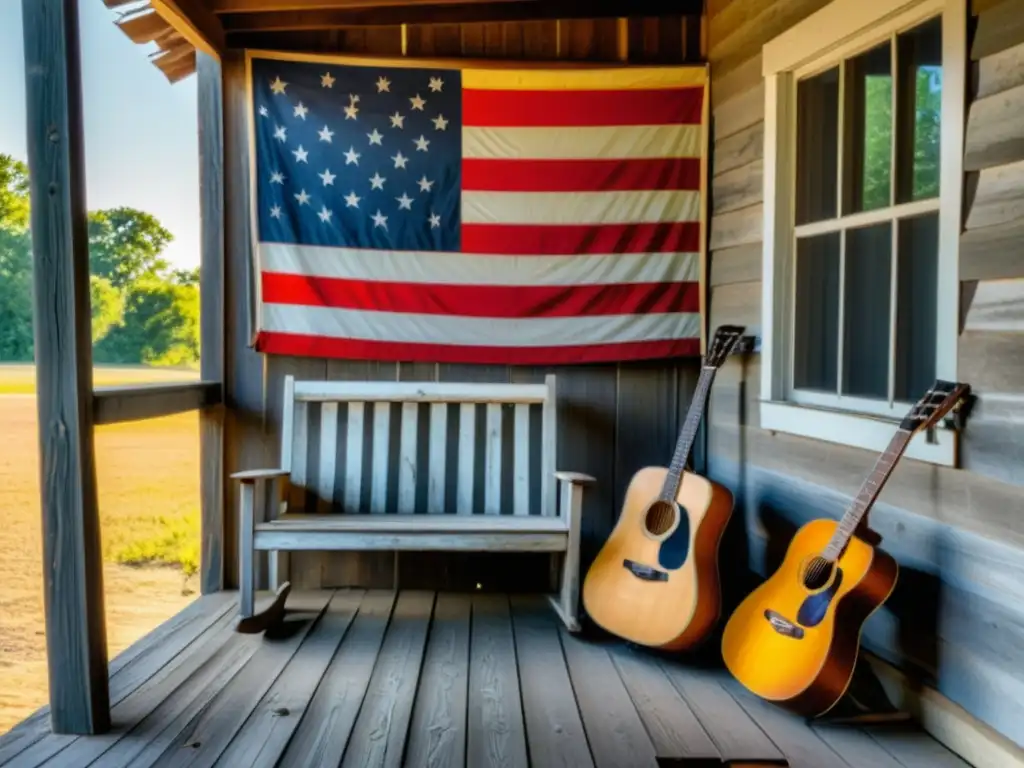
{"x":428,"y":447}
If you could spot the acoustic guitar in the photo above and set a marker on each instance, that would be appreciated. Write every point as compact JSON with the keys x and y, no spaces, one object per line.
{"x":655,"y":581}
{"x":794,"y":640}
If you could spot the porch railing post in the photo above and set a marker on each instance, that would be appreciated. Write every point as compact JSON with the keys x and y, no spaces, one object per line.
{"x":72,"y":568}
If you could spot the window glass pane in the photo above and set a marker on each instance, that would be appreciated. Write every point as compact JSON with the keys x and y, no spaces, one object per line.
{"x":867,"y":124}
{"x":816,"y":320}
{"x":866,"y":302}
{"x":817,"y":139}
{"x":919,"y":93}
{"x":917,"y":275}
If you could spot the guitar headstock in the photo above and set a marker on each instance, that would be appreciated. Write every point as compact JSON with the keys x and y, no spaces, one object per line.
{"x":940,"y":399}
{"x":725,"y":338}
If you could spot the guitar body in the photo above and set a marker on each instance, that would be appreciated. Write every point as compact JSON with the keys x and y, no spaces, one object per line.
{"x":676,"y":599}
{"x":804,"y":661}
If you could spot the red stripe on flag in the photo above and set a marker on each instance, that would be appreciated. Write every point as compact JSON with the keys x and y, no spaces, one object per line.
{"x":557,"y":240}
{"x":501,"y":108}
{"x":492,"y":301}
{"x":274,"y":343}
{"x":505,"y":175}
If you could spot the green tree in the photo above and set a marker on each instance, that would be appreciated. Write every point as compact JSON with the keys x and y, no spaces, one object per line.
{"x":13,"y":193}
{"x":107,"y":303}
{"x":125,"y":245}
{"x":16,"y":341}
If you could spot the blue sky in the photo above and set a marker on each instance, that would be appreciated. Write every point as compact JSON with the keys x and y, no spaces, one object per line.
{"x":140,"y":131}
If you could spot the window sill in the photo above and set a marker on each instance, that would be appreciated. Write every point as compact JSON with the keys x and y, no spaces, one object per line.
{"x":871,"y":433}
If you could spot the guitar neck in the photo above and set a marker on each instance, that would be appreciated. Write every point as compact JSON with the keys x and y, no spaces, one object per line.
{"x":868,"y":493}
{"x":688,"y":433}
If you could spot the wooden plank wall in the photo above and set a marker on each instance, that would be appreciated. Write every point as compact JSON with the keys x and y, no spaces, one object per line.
{"x":613,"y":419}
{"x":958,"y":534}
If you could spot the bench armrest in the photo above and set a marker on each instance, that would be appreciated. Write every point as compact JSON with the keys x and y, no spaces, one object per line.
{"x":575,"y":477}
{"x":252,"y":475}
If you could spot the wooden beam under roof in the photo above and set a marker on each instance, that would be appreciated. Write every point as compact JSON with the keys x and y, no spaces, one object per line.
{"x":269,"y":6}
{"x":194,"y":22}
{"x":236,"y":24}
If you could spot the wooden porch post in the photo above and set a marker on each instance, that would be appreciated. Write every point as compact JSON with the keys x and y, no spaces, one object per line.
{"x":215,"y":528}
{"x":72,"y":568}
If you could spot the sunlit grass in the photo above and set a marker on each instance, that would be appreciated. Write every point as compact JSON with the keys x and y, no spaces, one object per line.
{"x":20,"y":379}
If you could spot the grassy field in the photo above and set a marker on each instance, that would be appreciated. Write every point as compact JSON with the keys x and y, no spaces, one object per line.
{"x":148,"y":481}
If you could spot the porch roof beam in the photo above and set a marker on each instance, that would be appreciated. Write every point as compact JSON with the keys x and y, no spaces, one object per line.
{"x":194,"y":22}
{"x":266,"y":6}
{"x":76,"y":643}
{"x":448,"y":13}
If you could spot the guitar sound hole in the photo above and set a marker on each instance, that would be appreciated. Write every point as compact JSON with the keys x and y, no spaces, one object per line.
{"x":817,"y":573}
{"x":660,"y":518}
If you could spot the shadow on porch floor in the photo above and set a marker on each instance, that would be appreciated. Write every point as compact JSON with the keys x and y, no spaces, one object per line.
{"x":425,"y":679}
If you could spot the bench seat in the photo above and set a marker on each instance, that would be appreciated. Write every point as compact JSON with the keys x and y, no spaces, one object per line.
{"x":392,"y":466}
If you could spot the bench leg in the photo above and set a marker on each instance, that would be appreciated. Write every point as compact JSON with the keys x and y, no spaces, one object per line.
{"x":249,"y":621}
{"x":566,"y":602}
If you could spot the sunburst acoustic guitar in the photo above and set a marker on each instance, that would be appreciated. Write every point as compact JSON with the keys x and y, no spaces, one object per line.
{"x":655,"y":580}
{"x":794,"y":640}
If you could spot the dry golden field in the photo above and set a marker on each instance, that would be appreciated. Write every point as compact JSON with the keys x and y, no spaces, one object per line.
{"x":148,"y":480}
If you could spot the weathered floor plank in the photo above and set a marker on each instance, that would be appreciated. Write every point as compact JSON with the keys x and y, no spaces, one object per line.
{"x":437,"y":736}
{"x":266,"y":733}
{"x":914,"y":748}
{"x":324,"y":731}
{"x":210,"y":733}
{"x":496,"y":733}
{"x":72,"y":752}
{"x":614,"y":729}
{"x":800,"y":745}
{"x":379,"y":735}
{"x":133,"y":666}
{"x":674,"y":730}
{"x":554,"y":730}
{"x":856,"y":747}
{"x":736,"y":735}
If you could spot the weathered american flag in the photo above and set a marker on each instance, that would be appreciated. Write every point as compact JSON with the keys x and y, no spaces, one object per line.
{"x":527,"y":216}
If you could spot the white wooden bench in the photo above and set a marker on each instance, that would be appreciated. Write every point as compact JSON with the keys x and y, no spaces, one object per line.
{"x":457,"y":454}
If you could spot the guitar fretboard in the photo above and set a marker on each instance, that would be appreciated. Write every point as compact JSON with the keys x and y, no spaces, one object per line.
{"x":688,"y":434}
{"x":867,"y":494}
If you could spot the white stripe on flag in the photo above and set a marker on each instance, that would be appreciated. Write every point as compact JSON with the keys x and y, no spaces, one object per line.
{"x":628,"y":207}
{"x":470,"y":269}
{"x":600,"y":142}
{"x":451,"y":329}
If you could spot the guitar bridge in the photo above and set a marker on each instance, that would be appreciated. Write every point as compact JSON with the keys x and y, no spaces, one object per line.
{"x":782,"y":625}
{"x":645,"y":572}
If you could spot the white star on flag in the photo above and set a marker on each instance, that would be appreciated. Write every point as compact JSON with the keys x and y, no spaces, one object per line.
{"x":417,"y":102}
{"x":351,"y":111}
{"x":421,"y":143}
{"x":278,"y":85}
{"x":326,"y":81}
{"x":435,"y":221}
{"x":328,"y":177}
{"x":425,"y":185}
{"x":439,"y":123}
{"x":275,"y":212}
{"x":324,"y":214}
{"x":264,"y":112}
{"x":436,"y":83}
{"x":277,"y":177}
{"x":400,"y":160}
{"x":380,"y":220}
{"x":397,"y":120}
{"x":383,"y":84}
{"x":377,"y":181}
{"x":352,"y":200}
{"x":301,"y":110}
{"x":302,"y":197}
{"x":404,"y":202}
{"x":300,"y":154}
{"x":353,"y":98}
{"x":375,"y":137}
{"x":326,"y":134}
{"x":281,"y":133}
{"x":352,"y":157}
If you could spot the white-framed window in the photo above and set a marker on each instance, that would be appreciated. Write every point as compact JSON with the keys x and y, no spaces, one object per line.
{"x":864,"y":124}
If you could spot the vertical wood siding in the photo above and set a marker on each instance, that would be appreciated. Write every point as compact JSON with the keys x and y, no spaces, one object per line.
{"x":612,"y":419}
{"x":958,"y":533}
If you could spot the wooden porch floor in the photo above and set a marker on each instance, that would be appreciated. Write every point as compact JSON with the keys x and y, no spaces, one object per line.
{"x":423,"y":679}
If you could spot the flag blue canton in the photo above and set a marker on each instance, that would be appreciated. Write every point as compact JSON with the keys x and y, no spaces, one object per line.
{"x":357,"y":157}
